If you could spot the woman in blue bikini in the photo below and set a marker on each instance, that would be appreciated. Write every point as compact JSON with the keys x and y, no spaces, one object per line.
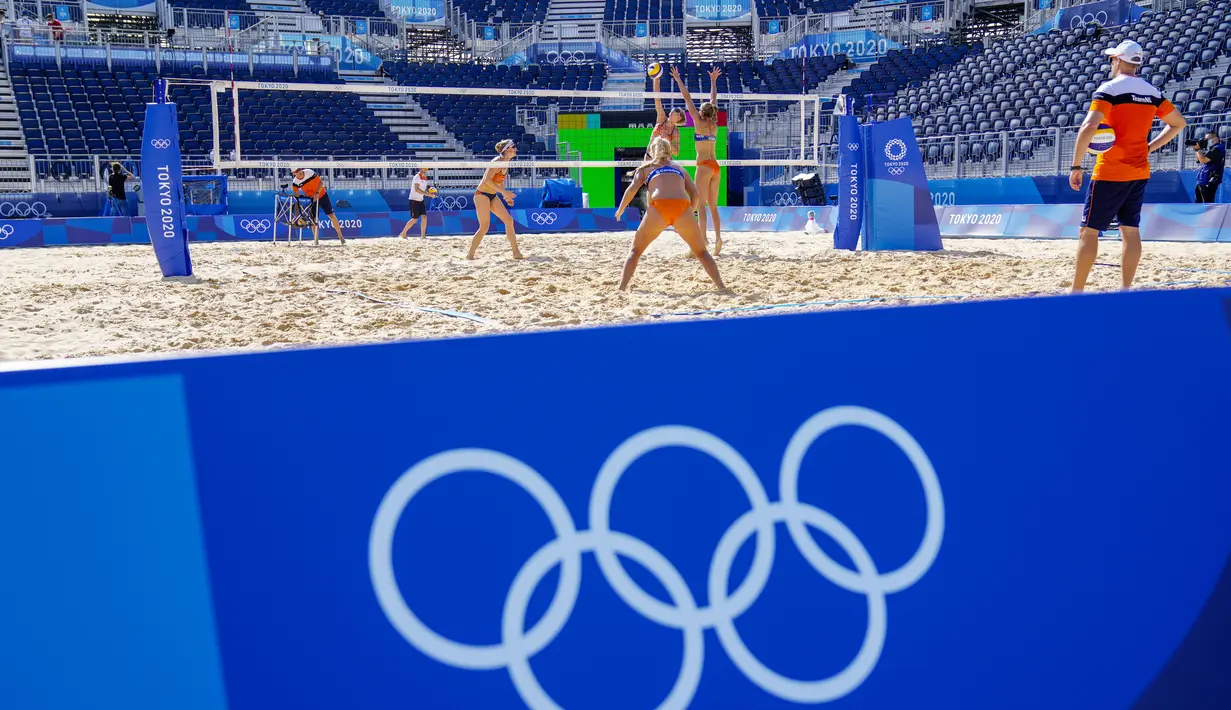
{"x":672,"y":199}
{"x":491,"y":196}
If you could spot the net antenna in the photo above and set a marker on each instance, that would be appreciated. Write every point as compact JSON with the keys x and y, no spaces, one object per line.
{"x":804,"y":150}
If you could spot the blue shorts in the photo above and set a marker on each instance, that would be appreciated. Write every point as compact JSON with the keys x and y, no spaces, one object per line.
{"x":1106,"y":200}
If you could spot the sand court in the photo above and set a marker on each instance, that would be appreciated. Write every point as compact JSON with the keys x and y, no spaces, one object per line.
{"x":75,"y":301}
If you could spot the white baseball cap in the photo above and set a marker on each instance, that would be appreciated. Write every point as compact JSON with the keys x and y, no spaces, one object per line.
{"x":1127,"y":51}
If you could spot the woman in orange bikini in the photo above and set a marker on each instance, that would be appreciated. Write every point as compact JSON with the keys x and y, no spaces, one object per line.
{"x":673,"y":195}
{"x":706,"y":136}
{"x":491,"y":197}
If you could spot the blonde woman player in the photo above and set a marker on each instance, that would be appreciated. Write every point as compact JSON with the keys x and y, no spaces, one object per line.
{"x":706,"y":137}
{"x":492,"y":197}
{"x":673,"y":196}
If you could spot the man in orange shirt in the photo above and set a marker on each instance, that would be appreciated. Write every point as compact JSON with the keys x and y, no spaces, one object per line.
{"x":307,"y":182}
{"x":1129,"y":105}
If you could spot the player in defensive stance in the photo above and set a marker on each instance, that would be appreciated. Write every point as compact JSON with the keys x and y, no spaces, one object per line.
{"x":673,"y":196}
{"x":307,"y":182}
{"x":492,"y":197}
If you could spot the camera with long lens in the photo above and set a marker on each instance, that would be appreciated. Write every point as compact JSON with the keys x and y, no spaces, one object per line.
{"x":1200,"y":144}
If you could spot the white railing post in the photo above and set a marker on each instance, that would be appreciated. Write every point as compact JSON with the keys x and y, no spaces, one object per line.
{"x":33,"y":174}
{"x":98,"y":178}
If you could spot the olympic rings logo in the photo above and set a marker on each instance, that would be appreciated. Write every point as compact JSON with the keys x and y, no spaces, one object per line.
{"x":852,"y":146}
{"x":786,"y":199}
{"x":253,"y":226}
{"x":543,"y":218}
{"x":518,"y":645}
{"x":568,"y":57}
{"x":23,"y":209}
{"x":452,"y":202}
{"x":161,"y":143}
{"x":895,"y":149}
{"x":6,"y":231}
{"x":897,"y":171}
{"x":1088,"y":19}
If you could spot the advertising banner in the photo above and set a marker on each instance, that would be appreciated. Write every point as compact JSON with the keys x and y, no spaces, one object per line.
{"x":718,"y":10}
{"x":418,"y":11}
{"x":885,"y":539}
{"x":163,"y":189}
{"x":899,"y":205}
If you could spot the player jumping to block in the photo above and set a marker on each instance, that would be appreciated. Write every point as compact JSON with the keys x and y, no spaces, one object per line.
{"x":307,"y":182}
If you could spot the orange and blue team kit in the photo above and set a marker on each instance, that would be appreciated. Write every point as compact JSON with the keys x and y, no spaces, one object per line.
{"x":1129,"y":104}
{"x":312,"y":186}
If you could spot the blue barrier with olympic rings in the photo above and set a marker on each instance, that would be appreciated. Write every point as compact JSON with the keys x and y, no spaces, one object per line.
{"x":1009,"y":539}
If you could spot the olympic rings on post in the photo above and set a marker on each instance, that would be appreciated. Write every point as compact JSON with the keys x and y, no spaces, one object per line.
{"x":161,"y":143}
{"x":518,"y":645}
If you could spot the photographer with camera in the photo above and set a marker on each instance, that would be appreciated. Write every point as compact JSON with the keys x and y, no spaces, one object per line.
{"x":1211,"y":154}
{"x":115,"y":186}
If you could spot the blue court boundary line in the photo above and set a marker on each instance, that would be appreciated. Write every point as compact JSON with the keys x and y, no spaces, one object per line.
{"x":438,"y":311}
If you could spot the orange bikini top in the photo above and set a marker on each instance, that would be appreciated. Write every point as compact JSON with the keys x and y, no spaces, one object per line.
{"x":498,"y":178}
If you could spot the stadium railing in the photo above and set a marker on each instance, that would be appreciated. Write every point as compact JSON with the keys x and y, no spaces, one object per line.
{"x":84,"y":173}
{"x":244,"y":41}
{"x":1023,"y":152}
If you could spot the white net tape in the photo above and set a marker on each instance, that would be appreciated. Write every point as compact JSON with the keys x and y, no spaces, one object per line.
{"x":801,"y":121}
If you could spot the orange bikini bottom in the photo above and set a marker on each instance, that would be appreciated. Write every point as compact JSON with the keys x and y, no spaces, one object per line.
{"x":711,"y":164}
{"x":671,"y":208}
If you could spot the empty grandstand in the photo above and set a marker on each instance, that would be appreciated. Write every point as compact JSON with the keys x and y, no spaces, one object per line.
{"x":989,"y":92}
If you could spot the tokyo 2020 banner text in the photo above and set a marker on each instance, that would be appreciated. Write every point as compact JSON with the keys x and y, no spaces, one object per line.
{"x":1011,"y":505}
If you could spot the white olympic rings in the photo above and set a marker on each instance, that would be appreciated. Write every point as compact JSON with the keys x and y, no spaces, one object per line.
{"x":852,"y":146}
{"x":452,"y":202}
{"x":786,"y":199}
{"x":1097,"y":18}
{"x":161,"y":143}
{"x":568,"y":57}
{"x":252,"y":226}
{"x":895,"y":149}
{"x":543,"y":218}
{"x":897,"y":171}
{"x":23,"y":209}
{"x":518,"y":645}
{"x":6,"y":231}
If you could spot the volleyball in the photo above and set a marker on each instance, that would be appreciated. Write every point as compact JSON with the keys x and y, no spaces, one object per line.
{"x":654,"y":69}
{"x":1104,"y":138}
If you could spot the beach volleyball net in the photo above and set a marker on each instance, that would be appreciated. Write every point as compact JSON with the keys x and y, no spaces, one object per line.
{"x":571,"y":131}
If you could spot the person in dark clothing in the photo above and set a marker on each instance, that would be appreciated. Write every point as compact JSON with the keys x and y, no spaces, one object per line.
{"x":1209,"y":176}
{"x":115,"y":184}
